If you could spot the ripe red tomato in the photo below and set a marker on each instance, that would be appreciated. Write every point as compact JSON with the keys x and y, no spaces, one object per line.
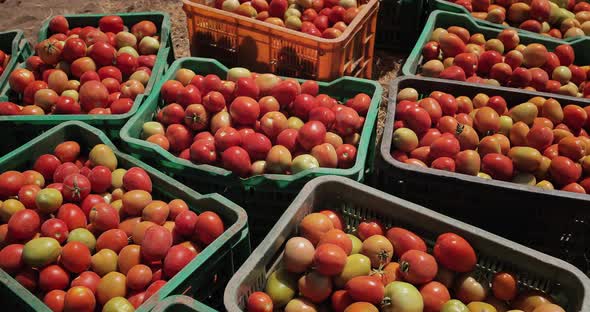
{"x":366,"y":288}
{"x":336,"y":219}
{"x":137,"y":179}
{"x":259,"y":302}
{"x":104,"y":217}
{"x":574,"y":116}
{"x":27,"y":195}
{"x":11,"y":258}
{"x":176,"y":259}
{"x":209,"y":226}
{"x":324,"y":115}
{"x":227,"y":137}
{"x":87,"y":279}
{"x":75,"y":257}
{"x":139,"y":277}
{"x":89,"y":202}
{"x":288,"y":139}
{"x":329,"y":259}
{"x":111,"y":23}
{"x":74,"y":48}
{"x":53,"y":277}
{"x":76,"y":187}
{"x":49,"y":51}
{"x":100,"y":179}
{"x":497,"y":166}
{"x":67,"y":151}
{"x":203,"y":151}
{"x":505,"y":286}
{"x":179,"y":136}
{"x":367,"y":229}
{"x":102,"y":53}
{"x":156,"y":243}
{"x":346,"y":156}
{"x":185,"y":223}
{"x":113,"y":239}
{"x":127,"y":63}
{"x":418,"y":267}
{"x":404,"y":240}
{"x":435,"y":295}
{"x":79,"y":298}
{"x":564,"y":171}
{"x":24,"y":224}
{"x":55,"y":300}
{"x":257,"y":145}
{"x":10,"y":183}
{"x":237,"y":160}
{"x":346,"y":121}
{"x":454,"y":252}
{"x":311,"y":134}
{"x":55,"y":228}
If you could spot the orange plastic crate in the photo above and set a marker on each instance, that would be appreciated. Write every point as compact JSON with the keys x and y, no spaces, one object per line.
{"x":263,"y":47}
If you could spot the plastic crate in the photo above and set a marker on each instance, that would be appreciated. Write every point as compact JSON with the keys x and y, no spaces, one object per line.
{"x":399,"y":23}
{"x":181,"y":303}
{"x":236,"y":40}
{"x":357,"y":202}
{"x":555,"y":222}
{"x":455,"y":8}
{"x":446,"y":19}
{"x":265,"y":196}
{"x":20,"y":129}
{"x":13,"y":42}
{"x":205,"y":276}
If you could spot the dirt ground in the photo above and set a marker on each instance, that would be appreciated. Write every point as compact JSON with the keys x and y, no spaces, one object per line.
{"x":28,"y":15}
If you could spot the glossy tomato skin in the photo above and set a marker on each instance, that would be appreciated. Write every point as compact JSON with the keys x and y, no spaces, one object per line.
{"x":435,"y":295}
{"x":53,"y":277}
{"x":100,"y":179}
{"x":237,"y":160}
{"x":418,"y":267}
{"x":10,"y":183}
{"x":11,"y":259}
{"x":329,"y":259}
{"x":404,"y":240}
{"x":498,"y":166}
{"x":79,"y":298}
{"x":454,"y":252}
{"x":366,"y":288}
{"x":75,"y":257}
{"x":55,"y":228}
{"x":367,"y":229}
{"x":76,"y":188}
{"x":259,"y":302}
{"x":209,"y":226}
{"x":336,"y":219}
{"x":24,"y":224}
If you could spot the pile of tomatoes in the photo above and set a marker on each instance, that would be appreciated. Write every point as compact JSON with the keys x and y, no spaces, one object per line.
{"x":82,"y":233}
{"x":253,"y":124}
{"x":455,"y":53}
{"x":85,"y":70}
{"x":539,"y":142}
{"x":379,"y":269}
{"x":4,"y":59}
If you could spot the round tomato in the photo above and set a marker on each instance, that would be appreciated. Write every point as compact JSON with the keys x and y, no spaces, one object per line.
{"x":329,"y":259}
{"x":298,"y":255}
{"x":55,"y":228}
{"x":79,"y":298}
{"x":10,"y":183}
{"x":564,"y":171}
{"x":11,"y":259}
{"x":24,"y":224}
{"x":505,"y":286}
{"x":336,"y":219}
{"x":314,"y":226}
{"x":435,"y":295}
{"x":176,"y":259}
{"x":209,"y":226}
{"x":75,"y":257}
{"x":369,"y":228}
{"x":237,"y":160}
{"x":418,"y":267}
{"x":113,"y":239}
{"x":311,"y":134}
{"x":315,"y":287}
{"x":53,"y":277}
{"x":139,"y":277}
{"x":341,"y":300}
{"x":76,"y":188}
{"x":26,"y":197}
{"x":378,"y":249}
{"x":366,"y":288}
{"x":259,"y":302}
{"x":454,"y":252}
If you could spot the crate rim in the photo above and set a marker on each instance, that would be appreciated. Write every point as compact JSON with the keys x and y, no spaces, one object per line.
{"x":415,"y":54}
{"x":184,"y":300}
{"x":154,"y":77}
{"x":364,"y":141}
{"x":388,"y":134}
{"x":240,"y":223}
{"x":278,"y":29}
{"x":258,"y":254}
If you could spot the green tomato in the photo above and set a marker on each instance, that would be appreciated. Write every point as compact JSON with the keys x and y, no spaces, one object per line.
{"x":150,"y":128}
{"x":281,"y":286}
{"x":356,"y":265}
{"x":402,"y":297}
{"x":48,"y":200}
{"x":454,"y":305}
{"x":83,"y":236}
{"x":41,"y":251}
{"x":118,"y":304}
{"x":357,"y":244}
{"x":304,"y":162}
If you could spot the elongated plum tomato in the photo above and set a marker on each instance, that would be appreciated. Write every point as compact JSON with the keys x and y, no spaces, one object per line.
{"x":454,"y":252}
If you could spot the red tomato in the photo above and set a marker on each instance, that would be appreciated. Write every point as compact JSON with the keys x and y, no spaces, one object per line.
{"x":259,"y":302}
{"x":237,"y":160}
{"x":67,"y":151}
{"x":89,"y":202}
{"x":203,"y":152}
{"x":329,"y":259}
{"x":74,"y":48}
{"x":435,"y":295}
{"x":153,"y":288}
{"x":76,"y":188}
{"x":104,"y":217}
{"x":311,"y":134}
{"x":564,"y":171}
{"x":55,"y":300}
{"x":324,"y":115}
{"x":75,"y":257}
{"x":127,"y":63}
{"x":209,"y":226}
{"x":454,"y":252}
{"x":227,"y":137}
{"x":111,"y":23}
{"x":341,"y":300}
{"x":404,"y":240}
{"x":288,"y":139}
{"x":156,"y":242}
{"x":79,"y":298}
{"x":443,"y":163}
{"x":55,"y":228}
{"x":27,"y":194}
{"x":139,"y":277}
{"x":24,"y":224}
{"x":53,"y":277}
{"x":347,"y":121}
{"x":11,"y":258}
{"x":574,"y":116}
{"x":63,"y":171}
{"x":444,"y":146}
{"x":10,"y":183}
{"x":100,"y":179}
{"x":185,"y":223}
{"x":137,"y":179}
{"x":418,"y":267}
{"x":136,"y":298}
{"x":302,"y":105}
{"x":367,"y":229}
{"x":360,"y":103}
{"x":346,"y":156}
{"x":113,"y":239}
{"x":336,"y":219}
{"x":505,"y":286}
{"x":339,"y":238}
{"x":417,"y":119}
{"x":497,"y":166}
{"x":177,"y":258}
{"x":244,"y":110}
{"x":366,"y":288}
{"x":257,"y":145}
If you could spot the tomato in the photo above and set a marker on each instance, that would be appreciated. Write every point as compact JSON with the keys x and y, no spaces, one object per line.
{"x":259,"y":302}
{"x":311,"y":134}
{"x":530,"y":301}
{"x":454,"y":305}
{"x":143,"y":29}
{"x":486,"y":120}
{"x":244,"y":110}
{"x":49,"y":51}
{"x":209,"y":226}
{"x":136,"y":298}
{"x":137,"y":179}
{"x":366,"y":288}
{"x":113,"y":239}
{"x":468,"y":289}
{"x":313,"y":226}
{"x":53,"y":277}
{"x":75,"y":257}
{"x":435,"y":295}
{"x":257,"y":145}
{"x":454,"y":252}
{"x":445,"y":146}
{"x":369,"y":228}
{"x":154,"y":287}
{"x":417,"y":119}
{"x":20,"y":78}
{"x":549,"y":307}
{"x":118,"y":304}
{"x":74,"y":48}
{"x":341,"y":300}
{"x":10,"y":183}
{"x":298,"y":255}
{"x":227,"y":137}
{"x":100,"y":178}
{"x":574,"y":116}
{"x":337,"y":237}
{"x":564,"y":171}
{"x":177,"y":258}
{"x":26,"y":199}
{"x":139,"y":277}
{"x":111,"y":23}
{"x":418,"y":267}
{"x":104,"y":217}
{"x":572,"y":147}
{"x":24,"y":224}
{"x":135,"y":201}
{"x":281,"y":287}
{"x":540,"y":138}
{"x":156,"y":242}
{"x":55,"y":300}
{"x":504,"y":286}
{"x":128,"y":257}
{"x":498,"y":166}
{"x":324,"y":115}
{"x":444,"y":163}
{"x":111,"y":285}
{"x":336,"y":219}
{"x":404,"y":240}
{"x":329,"y":259}
{"x":11,"y":259}
{"x":76,"y":187}
{"x":404,"y":297}
{"x":347,"y":121}
{"x":33,"y":177}
{"x":315,"y":287}
{"x":28,"y":279}
{"x":89,"y":202}
{"x":185,"y":223}
{"x":378,"y":249}
{"x":127,"y":63}
{"x":55,"y":228}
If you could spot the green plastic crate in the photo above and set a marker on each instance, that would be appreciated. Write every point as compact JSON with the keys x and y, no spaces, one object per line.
{"x":356,"y":202}
{"x":446,"y":19}
{"x":181,"y":303}
{"x":13,"y":42}
{"x":399,"y":23}
{"x":455,"y":8}
{"x":265,"y":196}
{"x":24,"y":128}
{"x":205,"y":276}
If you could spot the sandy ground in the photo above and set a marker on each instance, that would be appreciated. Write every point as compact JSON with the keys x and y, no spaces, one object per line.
{"x":28,"y":15}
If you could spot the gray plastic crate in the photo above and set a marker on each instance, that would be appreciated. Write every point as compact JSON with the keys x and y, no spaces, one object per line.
{"x":566,"y":284}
